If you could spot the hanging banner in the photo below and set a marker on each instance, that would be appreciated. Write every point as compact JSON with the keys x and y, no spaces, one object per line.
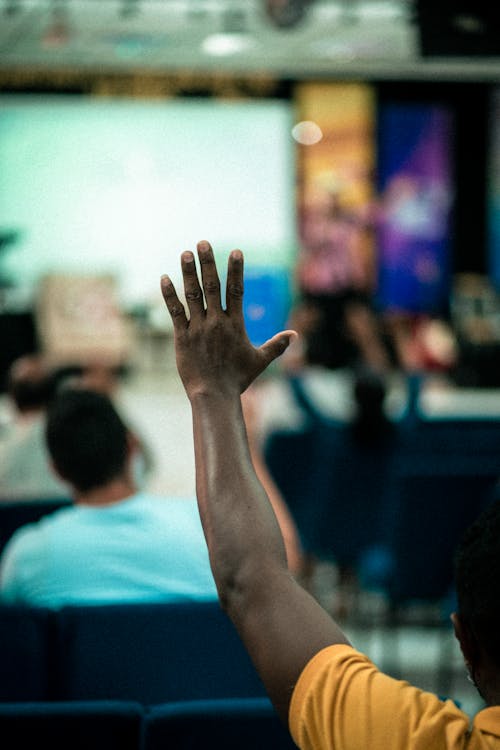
{"x":415,"y":184}
{"x":335,"y":132}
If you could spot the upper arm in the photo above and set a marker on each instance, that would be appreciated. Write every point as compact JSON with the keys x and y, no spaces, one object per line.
{"x":282,"y":627}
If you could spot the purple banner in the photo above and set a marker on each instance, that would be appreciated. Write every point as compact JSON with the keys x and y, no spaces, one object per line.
{"x":415,"y":184}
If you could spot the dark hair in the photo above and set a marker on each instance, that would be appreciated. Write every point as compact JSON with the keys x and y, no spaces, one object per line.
{"x":370,"y":426}
{"x":30,"y":383}
{"x":86,"y":438}
{"x":477,"y":572}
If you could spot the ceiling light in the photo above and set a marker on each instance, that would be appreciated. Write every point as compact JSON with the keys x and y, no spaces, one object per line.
{"x":307,"y":133}
{"x":226,"y":44}
{"x":384,"y":9}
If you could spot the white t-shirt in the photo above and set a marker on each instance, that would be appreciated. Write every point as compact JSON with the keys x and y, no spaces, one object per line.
{"x":142,"y":549}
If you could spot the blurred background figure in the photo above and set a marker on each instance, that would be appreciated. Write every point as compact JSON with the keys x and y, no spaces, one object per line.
{"x":25,"y":467}
{"x":114,"y":543}
{"x":103,"y":377}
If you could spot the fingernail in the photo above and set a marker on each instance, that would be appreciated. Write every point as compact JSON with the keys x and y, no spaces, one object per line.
{"x":237,"y":255}
{"x":203,"y":245}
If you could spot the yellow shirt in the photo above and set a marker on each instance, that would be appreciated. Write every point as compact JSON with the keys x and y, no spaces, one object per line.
{"x":343,"y":702}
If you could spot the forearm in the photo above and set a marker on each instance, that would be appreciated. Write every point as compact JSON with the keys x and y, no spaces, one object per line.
{"x":281,"y":625}
{"x":243,"y":536}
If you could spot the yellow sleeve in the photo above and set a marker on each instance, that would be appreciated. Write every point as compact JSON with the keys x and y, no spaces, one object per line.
{"x":343,"y":702}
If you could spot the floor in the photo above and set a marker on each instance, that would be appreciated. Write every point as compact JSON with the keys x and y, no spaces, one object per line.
{"x":154,"y":401}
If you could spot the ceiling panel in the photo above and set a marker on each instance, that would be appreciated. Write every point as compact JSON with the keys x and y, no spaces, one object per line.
{"x":369,"y":38}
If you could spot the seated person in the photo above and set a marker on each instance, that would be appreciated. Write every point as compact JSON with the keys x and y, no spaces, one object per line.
{"x":113,"y":544}
{"x":25,"y":472}
{"x":105,"y":378}
{"x":331,"y":696}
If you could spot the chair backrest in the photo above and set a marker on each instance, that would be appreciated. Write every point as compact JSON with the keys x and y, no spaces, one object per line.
{"x":17,"y":513}
{"x":431,"y":515}
{"x":333,"y":483}
{"x":449,"y":447}
{"x":25,"y":662}
{"x":443,"y":477}
{"x":245,"y":724}
{"x":289,"y":456}
{"x":151,"y":653}
{"x":102,"y":725}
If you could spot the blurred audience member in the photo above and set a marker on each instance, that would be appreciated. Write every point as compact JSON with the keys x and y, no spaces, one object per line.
{"x":371,"y":426}
{"x":25,"y":471}
{"x":114,"y":543}
{"x":105,"y":378}
{"x":327,"y":368}
{"x":422,"y":343}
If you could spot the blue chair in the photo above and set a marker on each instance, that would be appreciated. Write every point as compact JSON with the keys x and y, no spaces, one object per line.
{"x":79,"y":726}
{"x":333,"y":483}
{"x":151,"y":653}
{"x":25,"y":663}
{"x":444,"y":475}
{"x":245,"y":724}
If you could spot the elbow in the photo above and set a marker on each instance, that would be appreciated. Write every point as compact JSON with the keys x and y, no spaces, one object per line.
{"x":230,"y":591}
{"x":247,"y":588}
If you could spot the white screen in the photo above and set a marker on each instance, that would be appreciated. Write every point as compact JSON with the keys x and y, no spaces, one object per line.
{"x":124,"y":186}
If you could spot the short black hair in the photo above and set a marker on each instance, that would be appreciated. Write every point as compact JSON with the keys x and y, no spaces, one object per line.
{"x":30,"y":383}
{"x":86,"y":438}
{"x":477,"y":573}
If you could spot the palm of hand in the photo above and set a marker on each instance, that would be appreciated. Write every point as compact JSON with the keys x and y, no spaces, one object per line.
{"x":212,"y":348}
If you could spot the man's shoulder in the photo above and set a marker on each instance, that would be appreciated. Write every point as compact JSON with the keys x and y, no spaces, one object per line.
{"x":34,"y":533}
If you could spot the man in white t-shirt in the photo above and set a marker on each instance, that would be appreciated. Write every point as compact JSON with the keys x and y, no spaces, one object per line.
{"x":114,"y":544}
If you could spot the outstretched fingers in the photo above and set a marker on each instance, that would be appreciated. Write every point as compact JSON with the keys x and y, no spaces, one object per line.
{"x":275,"y":346}
{"x":234,"y":285}
{"x":209,"y":277}
{"x":192,"y":288}
{"x":174,"y":306}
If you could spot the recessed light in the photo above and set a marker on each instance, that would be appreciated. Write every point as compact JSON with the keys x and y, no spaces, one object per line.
{"x":227,"y":44}
{"x":307,"y":133}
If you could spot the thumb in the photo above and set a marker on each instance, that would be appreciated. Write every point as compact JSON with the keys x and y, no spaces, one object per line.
{"x":276,"y":345}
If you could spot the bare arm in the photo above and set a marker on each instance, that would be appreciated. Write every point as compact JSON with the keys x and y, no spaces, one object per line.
{"x":281,"y":625}
{"x":293,"y":548}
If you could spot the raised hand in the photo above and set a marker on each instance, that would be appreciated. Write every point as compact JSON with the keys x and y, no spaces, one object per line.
{"x":212,"y":348}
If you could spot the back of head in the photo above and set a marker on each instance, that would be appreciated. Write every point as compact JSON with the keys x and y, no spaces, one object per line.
{"x":86,"y":438}
{"x":371,"y":423}
{"x":477,"y":573}
{"x":30,"y":383}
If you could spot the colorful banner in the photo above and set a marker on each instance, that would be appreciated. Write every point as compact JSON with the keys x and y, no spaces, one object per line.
{"x":335,"y":132}
{"x":415,"y":183}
